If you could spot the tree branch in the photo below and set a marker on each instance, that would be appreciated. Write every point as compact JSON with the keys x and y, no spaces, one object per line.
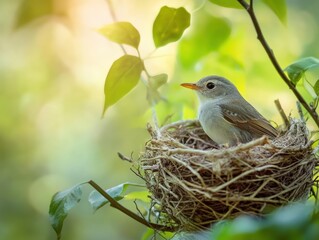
{"x":129,"y":213}
{"x":260,"y":36}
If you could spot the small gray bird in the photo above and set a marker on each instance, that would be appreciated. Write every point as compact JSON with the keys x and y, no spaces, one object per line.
{"x":225,"y":116}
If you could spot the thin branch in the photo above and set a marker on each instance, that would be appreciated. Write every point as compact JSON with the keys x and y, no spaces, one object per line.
{"x":260,"y":36}
{"x":300,"y":111}
{"x":282,"y":113}
{"x":111,"y":8}
{"x":129,"y":213}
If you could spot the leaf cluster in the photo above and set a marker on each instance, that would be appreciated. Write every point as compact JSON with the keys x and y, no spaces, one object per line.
{"x":297,"y":221}
{"x":62,"y":202}
{"x":125,"y":72}
{"x":297,"y":72}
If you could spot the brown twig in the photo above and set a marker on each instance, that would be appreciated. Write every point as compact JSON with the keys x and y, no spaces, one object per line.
{"x":260,"y":36}
{"x":282,"y":114}
{"x":300,"y":111}
{"x":129,"y":213}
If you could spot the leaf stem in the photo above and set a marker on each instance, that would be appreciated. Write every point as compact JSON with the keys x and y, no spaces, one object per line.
{"x":144,"y":68}
{"x":129,"y":213}
{"x":111,"y":8}
{"x":260,"y":36}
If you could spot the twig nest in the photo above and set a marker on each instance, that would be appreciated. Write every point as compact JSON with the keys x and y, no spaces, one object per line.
{"x":196,"y":183}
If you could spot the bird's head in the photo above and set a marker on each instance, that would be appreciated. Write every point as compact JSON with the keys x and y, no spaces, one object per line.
{"x":212,"y":87}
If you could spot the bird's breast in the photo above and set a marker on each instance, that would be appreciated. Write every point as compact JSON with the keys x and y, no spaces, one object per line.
{"x":209,"y":112}
{"x":215,"y":126}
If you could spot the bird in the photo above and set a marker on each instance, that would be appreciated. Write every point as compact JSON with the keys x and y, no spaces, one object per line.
{"x":225,"y":116}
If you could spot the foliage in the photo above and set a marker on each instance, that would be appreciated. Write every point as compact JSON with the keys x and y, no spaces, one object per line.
{"x":122,"y":33}
{"x":169,"y":25}
{"x":125,"y":72}
{"x":296,"y":222}
{"x":27,"y":12}
{"x":195,"y":46}
{"x":277,"y":6}
{"x":228,"y":4}
{"x":118,"y":193}
{"x":297,"y":71}
{"x":122,"y":77}
{"x":63,"y":202}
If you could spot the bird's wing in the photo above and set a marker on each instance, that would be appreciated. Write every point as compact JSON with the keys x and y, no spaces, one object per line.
{"x":247,"y":118}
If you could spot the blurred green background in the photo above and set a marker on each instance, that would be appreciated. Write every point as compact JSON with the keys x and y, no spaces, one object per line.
{"x":52,"y":69}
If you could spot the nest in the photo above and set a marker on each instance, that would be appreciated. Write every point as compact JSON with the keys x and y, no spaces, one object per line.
{"x":194,"y":182}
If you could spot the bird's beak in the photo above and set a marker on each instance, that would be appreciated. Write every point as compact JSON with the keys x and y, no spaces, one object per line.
{"x":190,"y":85}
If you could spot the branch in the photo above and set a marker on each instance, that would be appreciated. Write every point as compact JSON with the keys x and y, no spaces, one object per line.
{"x":282,"y":114}
{"x":260,"y":36}
{"x":129,"y":213}
{"x":112,"y":12}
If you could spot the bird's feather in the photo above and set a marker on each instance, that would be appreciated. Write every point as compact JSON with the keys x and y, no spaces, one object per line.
{"x":248,"y":119}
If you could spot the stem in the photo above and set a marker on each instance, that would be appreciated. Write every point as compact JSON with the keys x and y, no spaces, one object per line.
{"x":260,"y":36}
{"x":282,"y":113}
{"x":300,"y":111}
{"x":110,"y":4}
{"x":129,"y":213}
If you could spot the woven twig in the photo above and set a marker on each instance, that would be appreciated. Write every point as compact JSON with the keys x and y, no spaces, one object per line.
{"x":194,"y":182}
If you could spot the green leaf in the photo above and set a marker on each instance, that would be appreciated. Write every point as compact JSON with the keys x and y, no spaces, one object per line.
{"x":169,"y":25}
{"x":245,"y":224}
{"x":118,"y":192}
{"x":30,"y":10}
{"x":155,"y":82}
{"x":122,"y":33}
{"x":293,"y":221}
{"x":158,"y":80}
{"x":316,"y":87}
{"x":194,"y":46}
{"x":138,"y":195}
{"x":152,"y":234}
{"x":148,"y":234}
{"x":227,"y":3}
{"x":279,"y":8}
{"x":297,"y":69}
{"x":61,"y":204}
{"x":291,"y":216}
{"x":122,"y":77}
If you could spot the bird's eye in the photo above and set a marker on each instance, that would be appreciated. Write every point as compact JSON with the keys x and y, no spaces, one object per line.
{"x":210,"y":85}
